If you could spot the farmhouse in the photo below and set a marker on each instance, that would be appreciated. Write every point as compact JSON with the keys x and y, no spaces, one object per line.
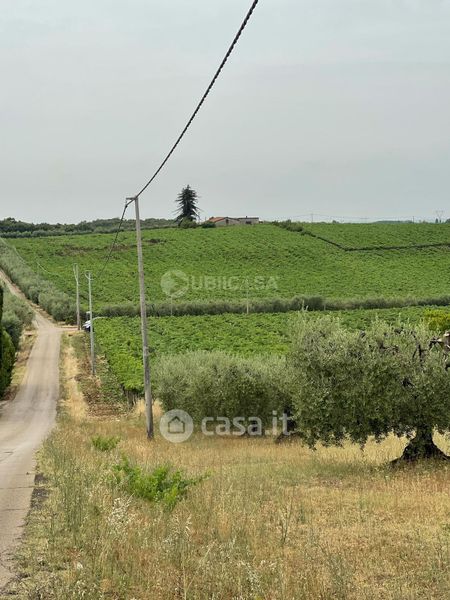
{"x":224,"y":221}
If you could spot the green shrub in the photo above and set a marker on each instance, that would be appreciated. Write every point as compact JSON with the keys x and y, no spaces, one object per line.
{"x":13,"y":326}
{"x":187,"y":224}
{"x":290,"y":226}
{"x":7,"y":352}
{"x":105,"y":443}
{"x":163,"y":484}
{"x":437,"y":321}
{"x":19,"y":307}
{"x":216,"y":384}
{"x":7,"y":356}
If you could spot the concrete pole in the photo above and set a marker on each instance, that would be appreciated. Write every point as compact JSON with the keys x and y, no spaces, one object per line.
{"x":143,"y":305}
{"x":77,"y":280}
{"x":91,"y":319}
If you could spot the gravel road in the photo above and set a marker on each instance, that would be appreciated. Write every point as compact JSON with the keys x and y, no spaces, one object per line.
{"x":24,"y":424}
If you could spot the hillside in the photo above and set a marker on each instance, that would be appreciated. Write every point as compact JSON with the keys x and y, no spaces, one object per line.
{"x":259,"y":262}
{"x":356,"y":236}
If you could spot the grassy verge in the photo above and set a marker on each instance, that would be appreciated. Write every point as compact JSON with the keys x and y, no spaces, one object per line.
{"x":269,"y":522}
{"x":103,"y":393}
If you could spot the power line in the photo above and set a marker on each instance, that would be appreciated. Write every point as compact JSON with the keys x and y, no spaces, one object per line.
{"x":372,"y":219}
{"x":183,"y":133}
{"x":113,"y":245}
{"x":205,"y":95}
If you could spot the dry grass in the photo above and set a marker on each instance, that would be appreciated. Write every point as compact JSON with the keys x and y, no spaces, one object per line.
{"x":271,"y":522}
{"x":74,"y":401}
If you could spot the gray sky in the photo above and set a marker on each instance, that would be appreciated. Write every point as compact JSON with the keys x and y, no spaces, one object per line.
{"x":337,"y":107}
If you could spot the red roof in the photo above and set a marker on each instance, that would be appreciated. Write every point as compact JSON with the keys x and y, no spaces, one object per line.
{"x":217,"y":219}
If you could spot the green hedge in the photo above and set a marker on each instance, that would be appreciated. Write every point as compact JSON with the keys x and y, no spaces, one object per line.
{"x":17,"y":314}
{"x":216,"y":384}
{"x":7,"y":353}
{"x":38,"y":290}
{"x":267,"y":305}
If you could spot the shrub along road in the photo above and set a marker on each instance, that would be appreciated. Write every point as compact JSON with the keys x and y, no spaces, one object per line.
{"x":24,"y":423}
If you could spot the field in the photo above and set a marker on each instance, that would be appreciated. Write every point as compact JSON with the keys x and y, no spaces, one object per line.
{"x":366,"y":235}
{"x":269,"y":522}
{"x":120,"y":338}
{"x":265,"y":261}
{"x":242,"y":263}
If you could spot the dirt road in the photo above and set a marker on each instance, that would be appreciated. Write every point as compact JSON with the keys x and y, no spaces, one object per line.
{"x":24,"y":423}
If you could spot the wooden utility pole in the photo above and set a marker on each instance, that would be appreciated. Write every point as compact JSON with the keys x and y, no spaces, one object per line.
{"x":143,"y":305}
{"x":91,"y":321}
{"x":77,"y":280}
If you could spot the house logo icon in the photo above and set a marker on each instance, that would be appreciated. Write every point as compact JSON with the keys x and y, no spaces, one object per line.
{"x":176,"y":426}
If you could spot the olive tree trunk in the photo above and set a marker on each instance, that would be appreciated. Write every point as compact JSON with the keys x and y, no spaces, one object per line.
{"x":422,"y":446}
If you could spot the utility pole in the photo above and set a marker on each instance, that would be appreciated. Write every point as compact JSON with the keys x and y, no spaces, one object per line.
{"x":143,"y":304}
{"x":91,"y":320}
{"x":77,"y":280}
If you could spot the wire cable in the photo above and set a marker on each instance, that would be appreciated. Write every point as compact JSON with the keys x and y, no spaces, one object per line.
{"x":183,"y":133}
{"x":113,"y":245}
{"x":205,"y":95}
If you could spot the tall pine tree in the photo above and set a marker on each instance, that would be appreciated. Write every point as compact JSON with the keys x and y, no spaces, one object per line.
{"x":187,"y":209}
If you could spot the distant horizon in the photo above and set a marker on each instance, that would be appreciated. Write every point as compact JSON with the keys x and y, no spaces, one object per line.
{"x":316,"y":219}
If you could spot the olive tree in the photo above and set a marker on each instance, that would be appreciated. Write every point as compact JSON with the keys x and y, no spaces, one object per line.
{"x":358,"y":384}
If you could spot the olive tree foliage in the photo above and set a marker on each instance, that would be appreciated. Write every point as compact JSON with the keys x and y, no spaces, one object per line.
{"x":217,"y":384}
{"x":354,"y":385}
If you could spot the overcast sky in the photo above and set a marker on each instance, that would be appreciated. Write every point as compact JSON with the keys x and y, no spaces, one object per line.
{"x":333,"y":107}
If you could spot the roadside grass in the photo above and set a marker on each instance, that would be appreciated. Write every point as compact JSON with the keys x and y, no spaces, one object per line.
{"x":269,"y":522}
{"x":103,"y":393}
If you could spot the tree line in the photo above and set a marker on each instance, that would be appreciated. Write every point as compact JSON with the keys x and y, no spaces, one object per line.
{"x":11,"y":228}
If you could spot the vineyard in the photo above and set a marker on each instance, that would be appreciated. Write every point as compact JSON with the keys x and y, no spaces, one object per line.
{"x":254,"y":262}
{"x":119,"y":338}
{"x":367,"y":235}
{"x":247,"y":265}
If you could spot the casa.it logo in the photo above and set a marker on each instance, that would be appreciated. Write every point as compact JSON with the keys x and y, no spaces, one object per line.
{"x":176,"y":426}
{"x":175,"y":284}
